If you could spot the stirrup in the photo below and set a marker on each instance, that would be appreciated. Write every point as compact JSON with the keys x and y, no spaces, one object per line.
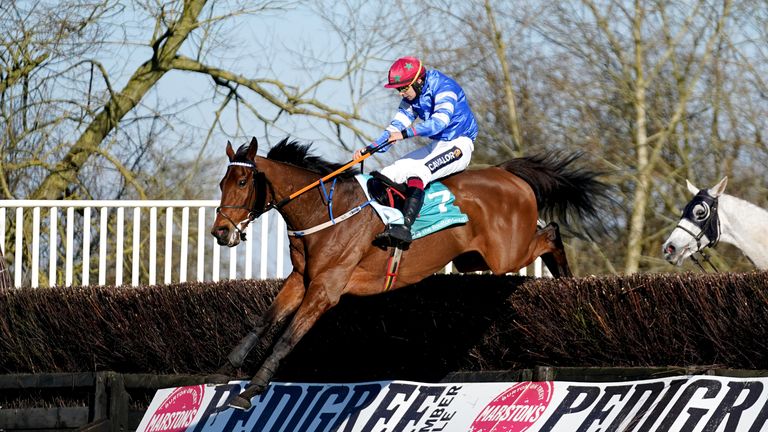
{"x":398,"y":236}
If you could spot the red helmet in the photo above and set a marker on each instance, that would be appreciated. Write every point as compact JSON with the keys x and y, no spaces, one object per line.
{"x":404,"y":72}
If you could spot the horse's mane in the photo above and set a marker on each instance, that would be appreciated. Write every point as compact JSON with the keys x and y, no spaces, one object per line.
{"x":295,"y":153}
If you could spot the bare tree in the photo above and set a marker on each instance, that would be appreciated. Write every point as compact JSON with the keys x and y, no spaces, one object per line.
{"x":656,"y":92}
{"x":646,"y":87}
{"x":57,"y":46}
{"x":77,"y":126}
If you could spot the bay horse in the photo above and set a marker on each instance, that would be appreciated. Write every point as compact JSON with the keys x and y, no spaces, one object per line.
{"x":502,"y":202}
{"x":713,"y":216}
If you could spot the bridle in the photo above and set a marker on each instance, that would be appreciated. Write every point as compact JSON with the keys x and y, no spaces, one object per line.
{"x":709,"y":226}
{"x":259,"y":204}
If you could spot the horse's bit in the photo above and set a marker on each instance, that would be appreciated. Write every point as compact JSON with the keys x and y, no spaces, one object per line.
{"x":708,"y":225}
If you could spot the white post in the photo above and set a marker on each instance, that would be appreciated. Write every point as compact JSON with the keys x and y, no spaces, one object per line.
{"x":201,"y":244}
{"x":216,"y":262}
{"x":70,"y":248}
{"x":168,"y":244}
{"x":264,"y":245}
{"x":35,"y":275}
{"x":86,"y":246}
{"x":2,"y":231}
{"x":18,"y":256}
{"x":53,"y":243}
{"x":280,"y":233}
{"x":183,"y":255}
{"x":103,"y":232}
{"x":233,"y":261}
{"x":249,"y":252}
{"x":119,"y":246}
{"x":152,"y":245}
{"x":136,"y":246}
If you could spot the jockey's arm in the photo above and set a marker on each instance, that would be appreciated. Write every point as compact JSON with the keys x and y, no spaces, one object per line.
{"x":403,"y":118}
{"x":442,"y":112}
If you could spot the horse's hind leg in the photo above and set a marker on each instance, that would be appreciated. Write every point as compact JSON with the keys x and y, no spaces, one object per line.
{"x":286,"y":302}
{"x":555,"y":259}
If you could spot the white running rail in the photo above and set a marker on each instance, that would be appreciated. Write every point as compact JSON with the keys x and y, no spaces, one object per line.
{"x":136,"y":240}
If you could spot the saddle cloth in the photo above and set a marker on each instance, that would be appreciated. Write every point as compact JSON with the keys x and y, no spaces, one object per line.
{"x":438,"y":211}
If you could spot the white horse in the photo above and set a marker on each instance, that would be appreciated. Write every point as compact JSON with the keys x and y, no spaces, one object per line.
{"x":713,"y":216}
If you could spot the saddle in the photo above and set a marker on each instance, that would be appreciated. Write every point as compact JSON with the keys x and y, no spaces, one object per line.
{"x":385,"y":191}
{"x":388,"y":197}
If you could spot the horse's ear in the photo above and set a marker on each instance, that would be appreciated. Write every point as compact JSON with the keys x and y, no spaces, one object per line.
{"x":230,"y":151}
{"x":252,"y":148}
{"x":693,"y":189}
{"x":719,"y":188}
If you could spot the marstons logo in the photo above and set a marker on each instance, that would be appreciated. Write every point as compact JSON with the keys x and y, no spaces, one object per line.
{"x":177,"y":411}
{"x":515,"y":410}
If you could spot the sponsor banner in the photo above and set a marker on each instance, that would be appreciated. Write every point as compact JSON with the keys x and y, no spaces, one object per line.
{"x":686,"y":403}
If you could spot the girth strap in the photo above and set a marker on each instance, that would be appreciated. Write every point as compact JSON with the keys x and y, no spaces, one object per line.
{"x":333,"y":221}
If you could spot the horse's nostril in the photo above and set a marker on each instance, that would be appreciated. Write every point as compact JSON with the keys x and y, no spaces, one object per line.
{"x":220,"y":232}
{"x":670,"y":249}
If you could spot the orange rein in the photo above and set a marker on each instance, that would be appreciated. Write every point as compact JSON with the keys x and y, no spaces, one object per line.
{"x":365,"y":154}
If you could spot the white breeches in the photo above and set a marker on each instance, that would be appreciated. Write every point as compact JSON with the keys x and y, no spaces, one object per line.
{"x":432,"y":162}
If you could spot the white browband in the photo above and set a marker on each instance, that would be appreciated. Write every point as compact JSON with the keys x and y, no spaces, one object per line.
{"x":244,"y":164}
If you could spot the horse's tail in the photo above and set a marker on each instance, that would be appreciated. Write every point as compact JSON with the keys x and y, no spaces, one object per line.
{"x":571,"y":194}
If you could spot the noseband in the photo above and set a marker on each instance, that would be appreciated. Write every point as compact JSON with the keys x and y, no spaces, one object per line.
{"x":258,"y":206}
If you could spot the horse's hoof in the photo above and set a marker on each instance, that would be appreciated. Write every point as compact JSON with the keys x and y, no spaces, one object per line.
{"x":239,"y":402}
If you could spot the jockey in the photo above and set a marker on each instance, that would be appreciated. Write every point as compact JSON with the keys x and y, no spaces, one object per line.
{"x":447,"y":120}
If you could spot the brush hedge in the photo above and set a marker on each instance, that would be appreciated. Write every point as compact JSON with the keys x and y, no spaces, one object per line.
{"x":445,"y":323}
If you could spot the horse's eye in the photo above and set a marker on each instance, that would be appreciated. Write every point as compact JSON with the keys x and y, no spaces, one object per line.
{"x":242,"y":182}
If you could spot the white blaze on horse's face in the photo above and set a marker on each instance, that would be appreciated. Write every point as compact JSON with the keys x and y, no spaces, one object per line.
{"x":689,"y":235}
{"x":234,"y":237}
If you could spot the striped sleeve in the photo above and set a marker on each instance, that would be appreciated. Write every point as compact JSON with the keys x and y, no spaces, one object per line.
{"x":403,"y":118}
{"x":445,"y":103}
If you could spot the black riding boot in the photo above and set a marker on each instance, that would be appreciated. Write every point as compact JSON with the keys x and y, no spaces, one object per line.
{"x":400,"y":235}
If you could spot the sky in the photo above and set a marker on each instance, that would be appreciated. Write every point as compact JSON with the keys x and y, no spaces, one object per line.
{"x":265,"y":45}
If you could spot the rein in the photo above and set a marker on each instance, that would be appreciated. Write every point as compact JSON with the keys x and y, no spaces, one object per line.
{"x":260,"y":206}
{"x":706,"y":258}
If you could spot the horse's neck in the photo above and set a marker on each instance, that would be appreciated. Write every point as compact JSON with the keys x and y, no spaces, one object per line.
{"x":307,"y":209}
{"x":745,"y":226}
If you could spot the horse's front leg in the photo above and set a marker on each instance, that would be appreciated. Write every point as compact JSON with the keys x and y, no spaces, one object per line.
{"x":285,"y":304}
{"x":316,"y":302}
